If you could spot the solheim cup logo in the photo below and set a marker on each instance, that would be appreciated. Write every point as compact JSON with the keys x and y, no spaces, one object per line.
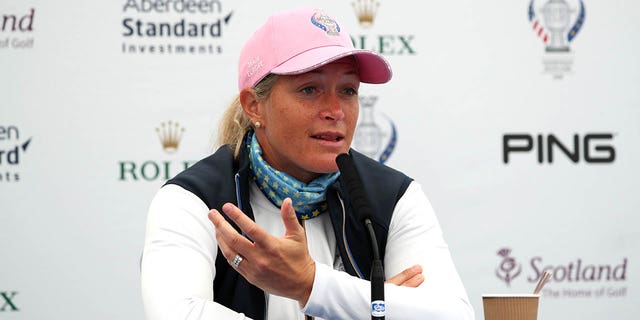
{"x":370,"y":134}
{"x":508,"y":268}
{"x":326,"y":23}
{"x":556,"y":30}
{"x":557,"y":23}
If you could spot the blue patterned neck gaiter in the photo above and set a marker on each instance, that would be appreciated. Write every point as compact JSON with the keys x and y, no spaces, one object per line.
{"x":308,"y":199}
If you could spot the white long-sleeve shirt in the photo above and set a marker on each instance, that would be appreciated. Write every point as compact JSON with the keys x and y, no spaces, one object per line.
{"x":178,"y":265}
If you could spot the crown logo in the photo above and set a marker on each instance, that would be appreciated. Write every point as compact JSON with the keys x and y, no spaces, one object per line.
{"x":170,"y":134}
{"x":366,"y":11}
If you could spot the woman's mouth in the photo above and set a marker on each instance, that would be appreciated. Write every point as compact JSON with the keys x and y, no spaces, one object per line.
{"x":328,"y":137}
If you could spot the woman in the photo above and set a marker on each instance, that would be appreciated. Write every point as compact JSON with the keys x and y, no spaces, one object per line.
{"x":263,"y":227}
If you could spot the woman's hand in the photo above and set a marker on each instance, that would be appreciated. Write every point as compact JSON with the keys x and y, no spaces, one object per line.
{"x":410,"y":277}
{"x":280,"y":266}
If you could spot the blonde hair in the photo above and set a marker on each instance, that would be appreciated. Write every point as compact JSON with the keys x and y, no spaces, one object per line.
{"x":235,"y":124}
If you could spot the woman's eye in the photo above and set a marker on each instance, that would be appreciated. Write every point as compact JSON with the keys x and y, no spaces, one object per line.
{"x":350,"y":91}
{"x":308,"y":90}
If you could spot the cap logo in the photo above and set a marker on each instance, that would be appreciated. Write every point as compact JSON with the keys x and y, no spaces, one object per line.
{"x":326,"y":23}
{"x":253,"y":66}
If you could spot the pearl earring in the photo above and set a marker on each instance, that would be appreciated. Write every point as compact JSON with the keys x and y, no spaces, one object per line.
{"x":257,"y":124}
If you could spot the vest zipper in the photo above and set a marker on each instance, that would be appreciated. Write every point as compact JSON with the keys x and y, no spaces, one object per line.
{"x":346,"y":244}
{"x":238,"y":198}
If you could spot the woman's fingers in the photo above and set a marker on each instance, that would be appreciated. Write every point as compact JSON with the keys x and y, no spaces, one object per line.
{"x":289,"y":219}
{"x":229,"y":236}
{"x":415,"y":281}
{"x":281,"y":266}
{"x":248,"y":226}
{"x":410,"y":277}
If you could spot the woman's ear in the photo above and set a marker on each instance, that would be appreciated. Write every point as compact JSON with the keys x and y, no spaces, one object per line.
{"x":250,"y":105}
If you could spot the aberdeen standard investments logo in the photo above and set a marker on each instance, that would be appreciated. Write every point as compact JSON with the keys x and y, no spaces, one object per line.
{"x":12,"y":151}
{"x":556,"y":23}
{"x":575,"y":278}
{"x":385,"y":43}
{"x":179,"y":27}
{"x":376,"y":135}
{"x":16,"y":29}
{"x":170,"y":135}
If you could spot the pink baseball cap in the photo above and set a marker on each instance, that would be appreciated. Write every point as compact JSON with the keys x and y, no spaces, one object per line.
{"x":299,"y":41}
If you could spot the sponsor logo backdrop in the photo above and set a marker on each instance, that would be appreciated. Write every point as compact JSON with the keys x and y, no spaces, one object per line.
{"x":521,"y":120}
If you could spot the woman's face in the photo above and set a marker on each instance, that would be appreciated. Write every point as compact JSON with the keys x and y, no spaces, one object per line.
{"x":309,"y":119}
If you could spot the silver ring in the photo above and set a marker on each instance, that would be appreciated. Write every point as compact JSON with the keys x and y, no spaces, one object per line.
{"x":236,"y":261}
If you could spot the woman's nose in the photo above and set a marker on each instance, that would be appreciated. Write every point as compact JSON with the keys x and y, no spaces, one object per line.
{"x":332,"y":109}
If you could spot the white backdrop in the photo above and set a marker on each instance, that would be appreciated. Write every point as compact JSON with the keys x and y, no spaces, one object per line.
{"x":84,"y":96}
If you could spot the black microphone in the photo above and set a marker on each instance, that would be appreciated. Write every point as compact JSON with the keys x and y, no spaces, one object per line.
{"x":360,"y":204}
